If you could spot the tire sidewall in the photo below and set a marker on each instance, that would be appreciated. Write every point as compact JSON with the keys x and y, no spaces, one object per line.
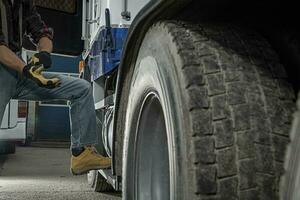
{"x":290,"y":181}
{"x":155,"y":72}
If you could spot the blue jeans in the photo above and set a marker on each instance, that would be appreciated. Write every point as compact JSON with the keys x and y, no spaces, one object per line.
{"x":77,"y":91}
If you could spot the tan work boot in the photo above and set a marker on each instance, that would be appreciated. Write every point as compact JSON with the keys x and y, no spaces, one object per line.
{"x":88,"y":160}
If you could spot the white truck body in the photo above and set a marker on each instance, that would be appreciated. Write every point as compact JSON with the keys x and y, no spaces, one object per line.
{"x":12,"y":127}
{"x":93,"y":18}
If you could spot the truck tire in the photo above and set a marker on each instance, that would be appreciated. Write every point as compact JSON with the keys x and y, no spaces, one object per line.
{"x":98,"y":182}
{"x":290,"y":183}
{"x":207,"y":115}
{"x":7,"y":148}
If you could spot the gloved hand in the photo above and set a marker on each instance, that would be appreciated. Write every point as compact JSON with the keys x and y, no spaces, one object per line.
{"x":33,"y":70}
{"x":41,"y":58}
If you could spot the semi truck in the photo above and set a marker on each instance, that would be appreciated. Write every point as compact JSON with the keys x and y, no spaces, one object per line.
{"x":199,"y":104}
{"x":194,"y":98}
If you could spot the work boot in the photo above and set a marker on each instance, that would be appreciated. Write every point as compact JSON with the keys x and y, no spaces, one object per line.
{"x":88,"y":160}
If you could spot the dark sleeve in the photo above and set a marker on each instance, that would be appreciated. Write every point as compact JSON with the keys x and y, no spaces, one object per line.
{"x":2,"y":39}
{"x":35,"y":27}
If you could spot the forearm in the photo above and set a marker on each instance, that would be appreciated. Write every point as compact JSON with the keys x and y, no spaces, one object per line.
{"x":10,"y":59}
{"x":45,"y":44}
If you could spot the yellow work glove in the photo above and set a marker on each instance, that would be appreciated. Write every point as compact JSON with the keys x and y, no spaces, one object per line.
{"x":42,"y":58}
{"x":33,"y":70}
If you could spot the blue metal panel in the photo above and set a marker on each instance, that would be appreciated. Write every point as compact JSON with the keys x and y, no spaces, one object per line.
{"x":53,"y":123}
{"x":104,"y":59}
{"x":64,"y":64}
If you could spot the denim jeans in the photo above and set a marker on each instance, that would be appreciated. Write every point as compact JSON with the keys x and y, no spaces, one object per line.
{"x":77,"y":91}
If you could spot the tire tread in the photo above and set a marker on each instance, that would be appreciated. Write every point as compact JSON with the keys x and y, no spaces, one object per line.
{"x":235,"y":84}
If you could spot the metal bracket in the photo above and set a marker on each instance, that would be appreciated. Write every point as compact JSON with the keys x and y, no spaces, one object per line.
{"x":126,"y":15}
{"x":94,"y":21}
{"x":115,"y":181}
{"x":108,"y":42}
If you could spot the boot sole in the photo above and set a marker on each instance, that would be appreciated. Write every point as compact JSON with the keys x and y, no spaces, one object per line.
{"x":85,"y":171}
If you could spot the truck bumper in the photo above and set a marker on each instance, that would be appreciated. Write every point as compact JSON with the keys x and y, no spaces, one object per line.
{"x":17,"y":133}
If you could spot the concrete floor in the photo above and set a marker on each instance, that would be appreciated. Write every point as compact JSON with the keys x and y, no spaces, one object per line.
{"x":43,"y":173}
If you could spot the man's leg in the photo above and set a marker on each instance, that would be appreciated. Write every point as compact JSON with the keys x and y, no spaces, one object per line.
{"x":8,"y":82}
{"x":82,"y":113}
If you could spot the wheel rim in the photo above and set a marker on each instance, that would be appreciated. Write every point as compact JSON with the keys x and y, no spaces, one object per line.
{"x":151,"y":169}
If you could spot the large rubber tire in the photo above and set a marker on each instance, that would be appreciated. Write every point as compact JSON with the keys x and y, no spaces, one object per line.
{"x":7,"y":148}
{"x":98,"y":182}
{"x":290,"y":183}
{"x":207,"y":115}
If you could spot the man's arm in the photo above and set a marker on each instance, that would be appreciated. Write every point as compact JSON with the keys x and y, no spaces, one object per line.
{"x":45,"y":44}
{"x":37,"y":29}
{"x":40,"y":34}
{"x":7,"y":57}
{"x":10,"y":59}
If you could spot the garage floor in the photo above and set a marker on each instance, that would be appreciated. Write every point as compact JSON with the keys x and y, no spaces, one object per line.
{"x":43,"y":173}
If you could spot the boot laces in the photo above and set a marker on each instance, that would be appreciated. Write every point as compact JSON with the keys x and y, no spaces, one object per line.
{"x":93,"y":150}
